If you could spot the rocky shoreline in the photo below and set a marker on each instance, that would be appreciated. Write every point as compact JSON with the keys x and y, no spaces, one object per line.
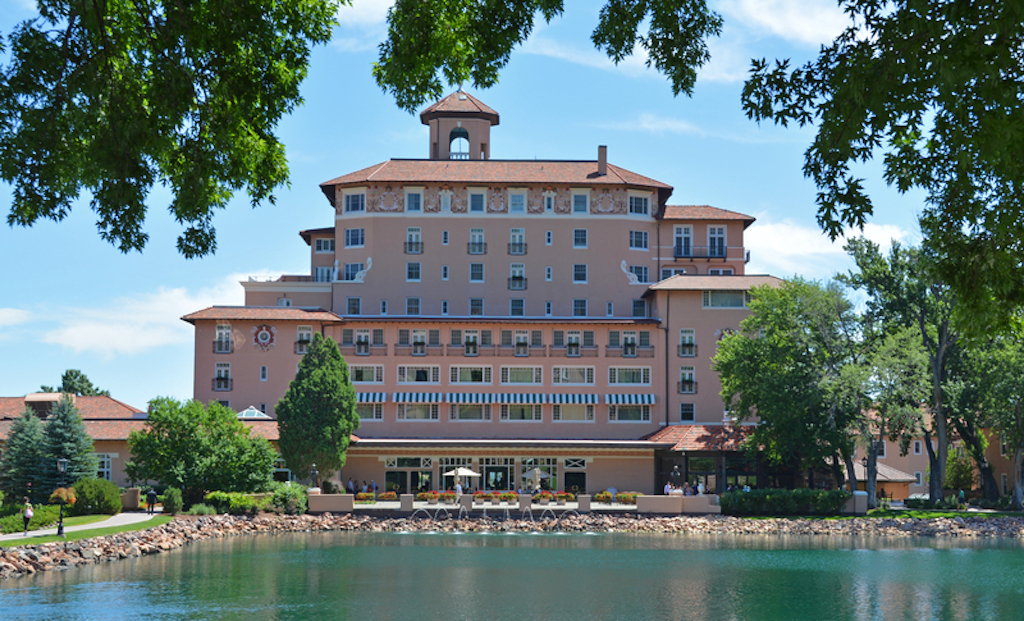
{"x":30,"y":559}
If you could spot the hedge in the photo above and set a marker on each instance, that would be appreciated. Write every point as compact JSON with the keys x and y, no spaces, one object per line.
{"x":779,"y":502}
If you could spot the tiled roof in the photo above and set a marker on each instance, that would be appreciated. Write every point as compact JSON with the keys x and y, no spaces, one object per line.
{"x":703,"y":212}
{"x":483,"y":172}
{"x":702,"y":437}
{"x":459,"y":103}
{"x":270,"y":313}
{"x":308,"y":234}
{"x":886,"y":474}
{"x":88,"y":407}
{"x":705,"y":282}
{"x":263,"y":428}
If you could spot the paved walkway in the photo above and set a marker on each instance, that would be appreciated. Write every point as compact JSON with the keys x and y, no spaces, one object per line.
{"x":124,"y":518}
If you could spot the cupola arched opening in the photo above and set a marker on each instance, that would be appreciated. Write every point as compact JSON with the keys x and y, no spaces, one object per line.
{"x":458,"y":144}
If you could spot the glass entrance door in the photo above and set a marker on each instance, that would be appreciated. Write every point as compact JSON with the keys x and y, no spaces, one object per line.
{"x":396,"y":481}
{"x":498,"y":477}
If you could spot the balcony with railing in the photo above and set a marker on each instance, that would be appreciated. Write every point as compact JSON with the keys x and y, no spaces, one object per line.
{"x":413,"y":247}
{"x":471,"y":350}
{"x":476,"y":247}
{"x":517,"y":248}
{"x":687,"y":350}
{"x":517,"y":283}
{"x":687,"y":387}
{"x":573,"y":350}
{"x":362,"y":348}
{"x":523,"y":350}
{"x":686,"y":251}
{"x":628,"y":351}
{"x":419,"y":349}
{"x":222,"y":384}
{"x":301,"y":346}
{"x":223,"y":346}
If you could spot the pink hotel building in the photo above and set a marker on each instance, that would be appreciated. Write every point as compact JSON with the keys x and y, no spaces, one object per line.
{"x":504,"y":315}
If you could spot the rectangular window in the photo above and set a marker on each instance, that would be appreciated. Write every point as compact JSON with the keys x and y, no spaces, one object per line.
{"x":580,"y":203}
{"x":412,"y":271}
{"x":517,"y":307}
{"x":370,"y":411}
{"x":549,"y":203}
{"x":517,"y":202}
{"x":354,"y":306}
{"x":919,"y":479}
{"x":352,"y":270}
{"x":324,"y":244}
{"x":640,"y":271}
{"x":477,"y":245}
{"x":413,"y":240}
{"x":573,"y":413}
{"x":684,"y":242}
{"x":669,"y":272}
{"x":880,"y":447}
{"x":444,"y":307}
{"x":383,"y":307}
{"x":469,"y":375}
{"x":412,"y":306}
{"x":583,"y":376}
{"x":639,"y":308}
{"x":355,"y":202}
{"x":444,"y":238}
{"x":476,"y":202}
{"x":470,"y":411}
{"x":687,"y":413}
{"x":322,"y":274}
{"x":725,"y":299}
{"x":579,"y":238}
{"x":547,"y":308}
{"x":444,"y":272}
{"x":368,"y":374}
{"x":720,"y":271}
{"x":548,"y":273}
{"x":522,"y":375}
{"x":521,"y":412}
{"x":104,"y":465}
{"x":304,"y":334}
{"x":609,"y":309}
{"x":579,"y":308}
{"x":419,"y":375}
{"x":629,"y":413}
{"x":640,"y":376}
{"x":638,"y":205}
{"x":579,"y":273}
{"x":263,"y":373}
{"x":446,"y":201}
{"x":548,"y":238}
{"x":638,"y":240}
{"x":476,"y":272}
{"x":476,"y":307}
{"x":716,"y":241}
{"x":284,"y":301}
{"x":414,"y":202}
{"x":687,"y":385}
{"x":417,"y":411}
{"x":917,"y":447}
{"x":355,"y":238}
{"x":687,"y":348}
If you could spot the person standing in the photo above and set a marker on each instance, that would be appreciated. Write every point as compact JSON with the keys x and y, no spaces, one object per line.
{"x":151,"y":499}
{"x":373,"y":487}
{"x":351,"y":486}
{"x":27,"y":513}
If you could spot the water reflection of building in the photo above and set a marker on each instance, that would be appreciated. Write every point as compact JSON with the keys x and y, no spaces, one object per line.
{"x":504,"y":315}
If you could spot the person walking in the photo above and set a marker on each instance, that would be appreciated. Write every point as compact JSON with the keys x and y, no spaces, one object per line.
{"x":151,"y":500}
{"x":27,"y":513}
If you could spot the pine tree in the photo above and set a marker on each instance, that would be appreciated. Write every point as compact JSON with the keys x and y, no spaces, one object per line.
{"x":65,"y":436}
{"x":22,"y":461}
{"x":317,"y":415}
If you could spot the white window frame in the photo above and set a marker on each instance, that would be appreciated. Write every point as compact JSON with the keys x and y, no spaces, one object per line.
{"x":355,"y":202}
{"x":322,"y":273}
{"x":639,"y":240}
{"x":558,"y":375}
{"x":517,"y":193}
{"x":404,"y":370}
{"x":455,"y":376}
{"x":413,"y":301}
{"x":615,"y":379}
{"x":264,"y":373}
{"x":483,"y":272}
{"x":576,"y":280}
{"x":645,"y":414}
{"x":536,"y":413}
{"x":351,"y":270}
{"x":455,"y":412}
{"x":105,"y":465}
{"x":582,"y":302}
{"x":715,"y":232}
{"x":576,"y":238}
{"x":536,"y":375}
{"x":323,"y":244}
{"x":517,"y":307}
{"x":683,"y":408}
{"x":470,"y":193}
{"x":410,"y":266}
{"x":549,"y":238}
{"x":708,"y":294}
{"x":376,"y":411}
{"x":376,"y":370}
{"x":444,"y":272}
{"x":350,"y":235}
{"x":574,"y":204}
{"x":433,"y":412}
{"x":409,"y":194}
{"x":557,"y":412}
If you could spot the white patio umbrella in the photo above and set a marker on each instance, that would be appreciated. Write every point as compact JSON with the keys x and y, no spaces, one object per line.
{"x":460,"y":472}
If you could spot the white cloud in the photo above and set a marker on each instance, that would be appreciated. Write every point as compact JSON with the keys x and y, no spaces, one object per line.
{"x":784,"y":248}
{"x":633,"y":65}
{"x":362,"y":26}
{"x":364,"y":12}
{"x":132,"y":325}
{"x":660,"y":126}
{"x":13,"y":316}
{"x":808,"y":22}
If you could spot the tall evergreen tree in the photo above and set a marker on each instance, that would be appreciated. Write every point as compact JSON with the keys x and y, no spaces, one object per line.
{"x":21,"y":462}
{"x":318,"y":413}
{"x":65,"y":436}
{"x":76,"y":383}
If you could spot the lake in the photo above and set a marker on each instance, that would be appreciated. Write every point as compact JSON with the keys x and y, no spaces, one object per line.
{"x":384,"y":576}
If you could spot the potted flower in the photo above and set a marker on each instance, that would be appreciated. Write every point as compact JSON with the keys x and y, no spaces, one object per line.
{"x":544,"y":497}
{"x":481,"y":497}
{"x":365,"y":498}
{"x":388,"y":496}
{"x":430,"y":497}
{"x":509,"y":497}
{"x":626,"y":498}
{"x":604,"y":497}
{"x":448,"y":497}
{"x":561,"y":497}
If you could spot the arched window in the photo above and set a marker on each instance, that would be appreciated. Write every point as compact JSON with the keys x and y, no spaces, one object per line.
{"x":458,"y":144}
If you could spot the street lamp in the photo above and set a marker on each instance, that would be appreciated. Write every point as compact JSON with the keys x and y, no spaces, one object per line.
{"x":62,"y":468}
{"x":314,"y":474}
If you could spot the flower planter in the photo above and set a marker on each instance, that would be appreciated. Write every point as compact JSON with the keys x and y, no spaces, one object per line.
{"x":543,"y":501}
{"x":432,"y":501}
{"x":561,"y":501}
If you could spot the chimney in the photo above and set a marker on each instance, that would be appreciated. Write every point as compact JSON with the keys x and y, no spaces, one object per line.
{"x":602,"y":160}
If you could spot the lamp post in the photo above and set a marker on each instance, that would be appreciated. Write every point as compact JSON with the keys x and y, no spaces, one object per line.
{"x":314,"y":474}
{"x":62,"y":468}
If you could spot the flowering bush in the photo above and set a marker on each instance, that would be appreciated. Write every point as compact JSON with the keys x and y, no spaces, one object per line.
{"x":627,"y":498}
{"x":67,"y":494}
{"x":425,"y":496}
{"x":482,"y":496}
{"x":448,"y":496}
{"x":509,"y":496}
{"x":366,"y":497}
{"x":605,"y":497}
{"x":565,"y":496}
{"x":388,"y":496}
{"x":544,"y":495}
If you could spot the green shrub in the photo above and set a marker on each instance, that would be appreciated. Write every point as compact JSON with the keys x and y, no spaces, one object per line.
{"x":235,"y":503}
{"x":781,"y":502}
{"x":171,"y":500}
{"x":388,"y":496}
{"x":627,"y":498}
{"x":288,"y":498}
{"x":201,"y":509}
{"x":96,"y":496}
{"x":329,"y":487}
{"x":366,"y":498}
{"x":43,"y":516}
{"x":605,"y":497}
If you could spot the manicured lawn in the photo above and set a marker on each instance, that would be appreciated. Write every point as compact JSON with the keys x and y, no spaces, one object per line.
{"x":157,"y":520}
{"x":929,"y":514}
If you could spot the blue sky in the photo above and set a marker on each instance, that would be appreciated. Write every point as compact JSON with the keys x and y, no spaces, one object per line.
{"x":69,"y":300}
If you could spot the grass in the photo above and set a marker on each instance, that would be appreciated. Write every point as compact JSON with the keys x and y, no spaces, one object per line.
{"x":157,"y":520}
{"x":931,"y":514}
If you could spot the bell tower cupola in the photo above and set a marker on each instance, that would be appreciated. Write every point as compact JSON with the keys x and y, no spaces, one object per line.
{"x":460,"y":127}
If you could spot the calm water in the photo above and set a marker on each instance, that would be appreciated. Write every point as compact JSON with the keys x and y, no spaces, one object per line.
{"x":545,"y":576}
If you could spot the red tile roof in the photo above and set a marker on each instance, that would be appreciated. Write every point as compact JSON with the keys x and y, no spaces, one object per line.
{"x":459,"y":103}
{"x":483,"y":172}
{"x":88,"y":407}
{"x":703,"y":212}
{"x":308,"y":234}
{"x":256,"y":313}
{"x":706,"y":282}
{"x":702,"y":437}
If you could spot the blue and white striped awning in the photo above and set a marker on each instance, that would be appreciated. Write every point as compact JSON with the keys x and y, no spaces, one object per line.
{"x":371,"y":397}
{"x":470,"y":397}
{"x":574,"y":399}
{"x":417,"y":397}
{"x":512,"y":397}
{"x":629,"y":399}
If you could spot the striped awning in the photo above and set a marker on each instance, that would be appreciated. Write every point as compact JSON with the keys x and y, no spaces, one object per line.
{"x":578,"y":399}
{"x":470,"y":397}
{"x":512,"y":397}
{"x":629,"y":399}
{"x":418,"y":397}
{"x":371,"y":397}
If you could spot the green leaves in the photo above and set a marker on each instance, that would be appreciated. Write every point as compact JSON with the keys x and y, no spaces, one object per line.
{"x":111,"y":98}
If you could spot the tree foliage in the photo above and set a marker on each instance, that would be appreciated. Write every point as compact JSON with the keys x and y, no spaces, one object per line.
{"x":112,"y":97}
{"x":21,"y":461}
{"x":64,"y":436}
{"x":75,"y":382}
{"x":199,"y":448}
{"x":934,"y":85}
{"x":317,"y":414}
{"x":1000,"y":367}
